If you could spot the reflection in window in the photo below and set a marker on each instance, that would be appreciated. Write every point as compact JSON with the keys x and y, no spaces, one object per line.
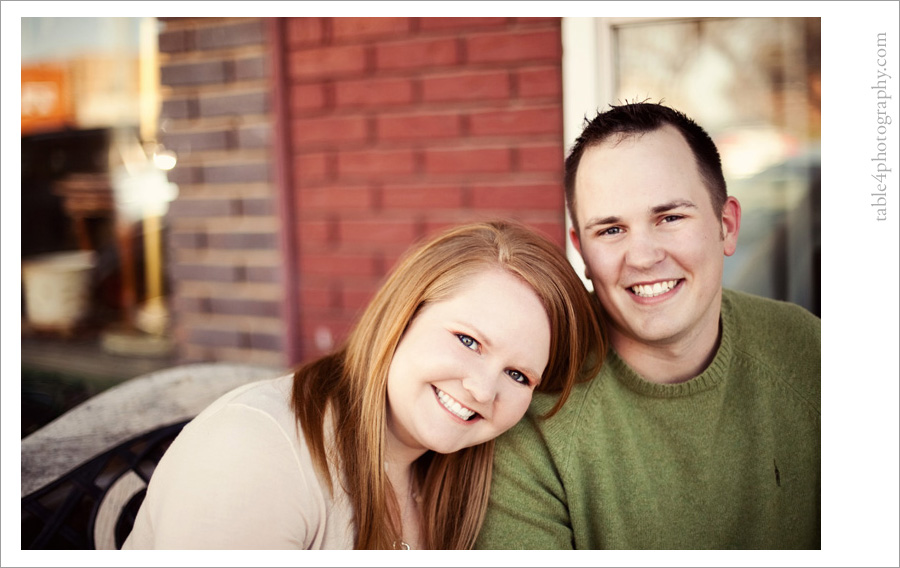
{"x":754,"y":85}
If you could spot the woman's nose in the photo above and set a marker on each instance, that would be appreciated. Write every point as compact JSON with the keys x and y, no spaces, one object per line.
{"x":481,"y":385}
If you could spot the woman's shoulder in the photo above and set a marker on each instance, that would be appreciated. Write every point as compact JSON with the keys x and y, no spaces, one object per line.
{"x":270,"y":397}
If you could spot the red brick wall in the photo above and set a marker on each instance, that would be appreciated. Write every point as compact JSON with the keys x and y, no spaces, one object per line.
{"x":223,"y":254}
{"x":395,"y":128}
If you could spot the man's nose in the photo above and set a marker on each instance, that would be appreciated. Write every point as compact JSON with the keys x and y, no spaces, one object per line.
{"x":644,"y":250}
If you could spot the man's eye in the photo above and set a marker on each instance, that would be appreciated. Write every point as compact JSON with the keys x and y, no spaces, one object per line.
{"x":467,"y":341}
{"x":518,"y":377}
{"x":611,"y":231}
{"x":670,"y":218}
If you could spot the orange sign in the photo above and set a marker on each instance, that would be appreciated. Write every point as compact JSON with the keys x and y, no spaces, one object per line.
{"x":46,"y":103}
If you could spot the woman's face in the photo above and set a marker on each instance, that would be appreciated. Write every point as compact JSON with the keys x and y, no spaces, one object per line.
{"x":466,"y":367}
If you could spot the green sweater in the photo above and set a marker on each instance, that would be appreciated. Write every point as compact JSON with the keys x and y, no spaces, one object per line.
{"x":729,"y":459}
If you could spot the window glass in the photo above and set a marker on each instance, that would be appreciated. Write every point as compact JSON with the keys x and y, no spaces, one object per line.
{"x":754,"y":85}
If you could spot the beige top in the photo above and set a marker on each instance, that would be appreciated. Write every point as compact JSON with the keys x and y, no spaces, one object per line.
{"x":240,"y":476}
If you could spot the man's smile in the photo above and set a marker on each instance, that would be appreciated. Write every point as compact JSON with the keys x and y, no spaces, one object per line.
{"x":655,"y":289}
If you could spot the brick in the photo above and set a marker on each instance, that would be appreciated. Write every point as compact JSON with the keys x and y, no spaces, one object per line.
{"x":176,"y":41}
{"x":191,"y":304}
{"x":375,"y":163}
{"x":204,"y":72}
{"x":256,"y":136}
{"x":468,"y":160}
{"x":357,"y":299}
{"x":218,"y":337}
{"x":556,"y":232}
{"x":422,"y":197}
{"x":186,"y":142}
{"x":308,"y":98}
{"x":540,"y":82}
{"x":541,"y":158}
{"x":185,"y":175}
{"x":179,"y":108}
{"x":338,"y":265}
{"x":326,"y":62}
{"x":207,"y":272}
{"x":203,"y":208}
{"x":419,"y":53}
{"x":319,"y":296}
{"x":241,"y":307}
{"x":415,"y":127}
{"x":251,"y":68}
{"x":373,"y":92}
{"x":257,"y":206}
{"x":316,"y":131}
{"x":336,"y":198}
{"x":234,"y":104}
{"x":544,"y":120}
{"x":316,"y":232}
{"x":543,"y":196}
{"x":265,"y":341}
{"x":464,"y":24}
{"x":311,"y":167}
{"x":234,"y":35}
{"x":304,"y":31}
{"x":188,"y":240}
{"x":334,"y":327}
{"x":267,"y":274}
{"x":492,"y":85}
{"x":243,"y":241}
{"x":344,"y":28}
{"x":237,"y":173}
{"x":508,"y":47}
{"x":377,"y":231}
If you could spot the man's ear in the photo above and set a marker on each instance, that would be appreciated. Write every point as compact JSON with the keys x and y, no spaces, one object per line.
{"x":573,"y":236}
{"x":731,"y":224}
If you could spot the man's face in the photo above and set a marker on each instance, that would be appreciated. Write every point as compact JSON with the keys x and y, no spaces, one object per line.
{"x":651,"y":242}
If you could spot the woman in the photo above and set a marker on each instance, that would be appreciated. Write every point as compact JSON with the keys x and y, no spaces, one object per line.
{"x":388,"y":442}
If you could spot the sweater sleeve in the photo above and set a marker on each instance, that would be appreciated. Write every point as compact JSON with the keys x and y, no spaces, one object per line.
{"x":231,"y":480}
{"x":527,"y":508}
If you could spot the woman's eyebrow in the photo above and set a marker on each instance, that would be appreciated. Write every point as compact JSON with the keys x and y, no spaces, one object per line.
{"x":487,"y":343}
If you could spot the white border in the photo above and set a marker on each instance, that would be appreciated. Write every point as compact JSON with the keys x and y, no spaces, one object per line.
{"x":860,"y":289}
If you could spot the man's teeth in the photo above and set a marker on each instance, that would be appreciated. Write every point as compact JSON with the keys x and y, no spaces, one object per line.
{"x":651,"y":290}
{"x":453,"y":406}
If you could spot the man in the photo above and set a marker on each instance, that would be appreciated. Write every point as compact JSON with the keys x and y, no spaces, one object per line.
{"x":702,"y":429}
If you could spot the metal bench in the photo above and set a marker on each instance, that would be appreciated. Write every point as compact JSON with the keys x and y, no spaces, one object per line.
{"x":85,"y":474}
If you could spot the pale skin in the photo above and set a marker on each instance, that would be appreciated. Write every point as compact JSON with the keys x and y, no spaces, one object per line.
{"x":654,"y":248}
{"x":484,"y":349}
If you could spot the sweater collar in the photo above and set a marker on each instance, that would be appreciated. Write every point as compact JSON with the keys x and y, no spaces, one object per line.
{"x":710,"y":378}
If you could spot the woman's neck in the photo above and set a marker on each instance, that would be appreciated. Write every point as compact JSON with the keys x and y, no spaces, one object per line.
{"x":405,"y":489}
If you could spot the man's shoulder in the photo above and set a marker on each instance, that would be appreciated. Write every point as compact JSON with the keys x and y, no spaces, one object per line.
{"x":780,"y":338}
{"x":754,"y":314}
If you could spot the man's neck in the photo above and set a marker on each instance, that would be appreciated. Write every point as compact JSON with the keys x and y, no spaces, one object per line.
{"x":667,"y":362}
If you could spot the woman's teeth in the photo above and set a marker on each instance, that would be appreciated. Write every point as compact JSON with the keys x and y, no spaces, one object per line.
{"x":453,"y":406}
{"x":651,"y":290}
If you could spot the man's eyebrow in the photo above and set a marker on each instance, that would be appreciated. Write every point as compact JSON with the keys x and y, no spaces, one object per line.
{"x":595,"y":221}
{"x":656,"y":210}
{"x":677,"y":204}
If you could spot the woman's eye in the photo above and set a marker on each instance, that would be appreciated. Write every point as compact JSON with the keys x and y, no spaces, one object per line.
{"x":467,"y":341}
{"x":518,"y":377}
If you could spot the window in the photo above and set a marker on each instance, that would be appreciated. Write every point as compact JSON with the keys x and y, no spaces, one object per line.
{"x":754,"y":85}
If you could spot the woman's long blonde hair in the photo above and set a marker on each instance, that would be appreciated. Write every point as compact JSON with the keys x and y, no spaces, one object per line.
{"x":353,"y":381}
